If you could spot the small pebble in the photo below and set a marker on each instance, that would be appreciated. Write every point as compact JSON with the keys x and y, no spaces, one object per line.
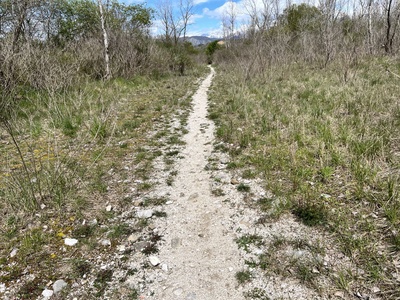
{"x":70,"y":242}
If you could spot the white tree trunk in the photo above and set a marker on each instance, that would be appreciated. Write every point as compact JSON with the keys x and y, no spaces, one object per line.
{"x":370,"y":42}
{"x":105,"y":39}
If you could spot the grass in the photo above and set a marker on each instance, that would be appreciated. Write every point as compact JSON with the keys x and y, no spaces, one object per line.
{"x":251,"y":239}
{"x":82,"y":148}
{"x":328,"y":149}
{"x":243,"y":276}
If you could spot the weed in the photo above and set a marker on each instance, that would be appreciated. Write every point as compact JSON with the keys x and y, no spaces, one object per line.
{"x":343,"y":279}
{"x":218,"y":192}
{"x":170,"y":180}
{"x":243,"y":276}
{"x":102,"y":277}
{"x":396,"y":242}
{"x":130,"y":125}
{"x":155,"y":201}
{"x":172,"y":153}
{"x":160,"y":214}
{"x":134,"y":294}
{"x":83,"y":231}
{"x":311,"y":214}
{"x":243,"y":188}
{"x":68,"y":128}
{"x":250,"y":239}
{"x":31,"y":289}
{"x":99,"y":129}
{"x":264,"y":203}
{"x":119,"y":230}
{"x":145,"y":186}
{"x":257,"y":293}
{"x":304,"y":272}
{"x":151,"y":247}
{"x":80,"y":267}
{"x":326,"y":173}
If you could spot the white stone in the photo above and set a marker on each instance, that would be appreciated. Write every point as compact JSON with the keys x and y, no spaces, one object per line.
{"x":47,"y":293}
{"x":178,"y":292}
{"x":133,"y":238}
{"x":106,"y":242}
{"x":70,"y":242}
{"x":154,"y":260}
{"x":2,"y":287}
{"x":59,"y":285}
{"x":121,"y":248}
{"x":375,"y":289}
{"x":145,"y":214}
{"x":109,"y":208}
{"x":14,"y":252}
{"x":164,"y":267}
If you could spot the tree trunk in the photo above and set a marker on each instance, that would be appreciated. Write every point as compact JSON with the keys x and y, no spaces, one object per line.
{"x":105,"y":40}
{"x":370,"y":43}
{"x":388,"y":42}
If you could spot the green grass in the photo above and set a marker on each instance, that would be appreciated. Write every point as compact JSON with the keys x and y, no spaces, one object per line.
{"x":251,"y":239}
{"x":243,"y":276}
{"x":328,"y":149}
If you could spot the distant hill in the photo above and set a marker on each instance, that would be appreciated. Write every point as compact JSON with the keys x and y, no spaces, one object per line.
{"x":200,"y":40}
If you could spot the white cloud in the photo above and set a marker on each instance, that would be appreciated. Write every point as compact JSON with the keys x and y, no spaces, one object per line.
{"x":236,"y":8}
{"x":197,"y":2}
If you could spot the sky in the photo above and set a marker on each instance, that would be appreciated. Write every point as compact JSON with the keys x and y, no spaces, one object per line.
{"x":207,"y":16}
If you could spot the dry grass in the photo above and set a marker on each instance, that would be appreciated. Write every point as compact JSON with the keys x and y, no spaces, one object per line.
{"x":329,"y":145}
{"x":83,"y":149}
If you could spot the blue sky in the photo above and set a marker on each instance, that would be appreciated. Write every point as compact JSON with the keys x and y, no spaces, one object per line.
{"x":207,"y":15}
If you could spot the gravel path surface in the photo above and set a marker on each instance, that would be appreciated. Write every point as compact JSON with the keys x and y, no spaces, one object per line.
{"x":200,"y":255}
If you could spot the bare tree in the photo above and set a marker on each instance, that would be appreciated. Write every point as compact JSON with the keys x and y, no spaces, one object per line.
{"x":165,"y":13}
{"x":105,"y":40}
{"x":392,"y":20}
{"x":229,"y":21}
{"x":369,"y":30}
{"x":260,"y":13}
{"x":175,"y":21}
{"x":186,"y":11}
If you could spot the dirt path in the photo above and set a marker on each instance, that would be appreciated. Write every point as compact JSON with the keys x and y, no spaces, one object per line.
{"x":199,"y":253}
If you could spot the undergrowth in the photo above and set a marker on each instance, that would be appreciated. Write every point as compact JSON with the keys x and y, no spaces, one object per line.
{"x":328,"y":146}
{"x":64,"y":158}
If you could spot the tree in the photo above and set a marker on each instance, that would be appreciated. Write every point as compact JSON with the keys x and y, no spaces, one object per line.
{"x":175,"y":21}
{"x":392,"y":9}
{"x":210,"y":50}
{"x":229,"y":20}
{"x":105,"y":40}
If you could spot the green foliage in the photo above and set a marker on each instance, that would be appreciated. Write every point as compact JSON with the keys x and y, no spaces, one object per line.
{"x":79,"y":19}
{"x":210,"y":50}
{"x":301,"y":18}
